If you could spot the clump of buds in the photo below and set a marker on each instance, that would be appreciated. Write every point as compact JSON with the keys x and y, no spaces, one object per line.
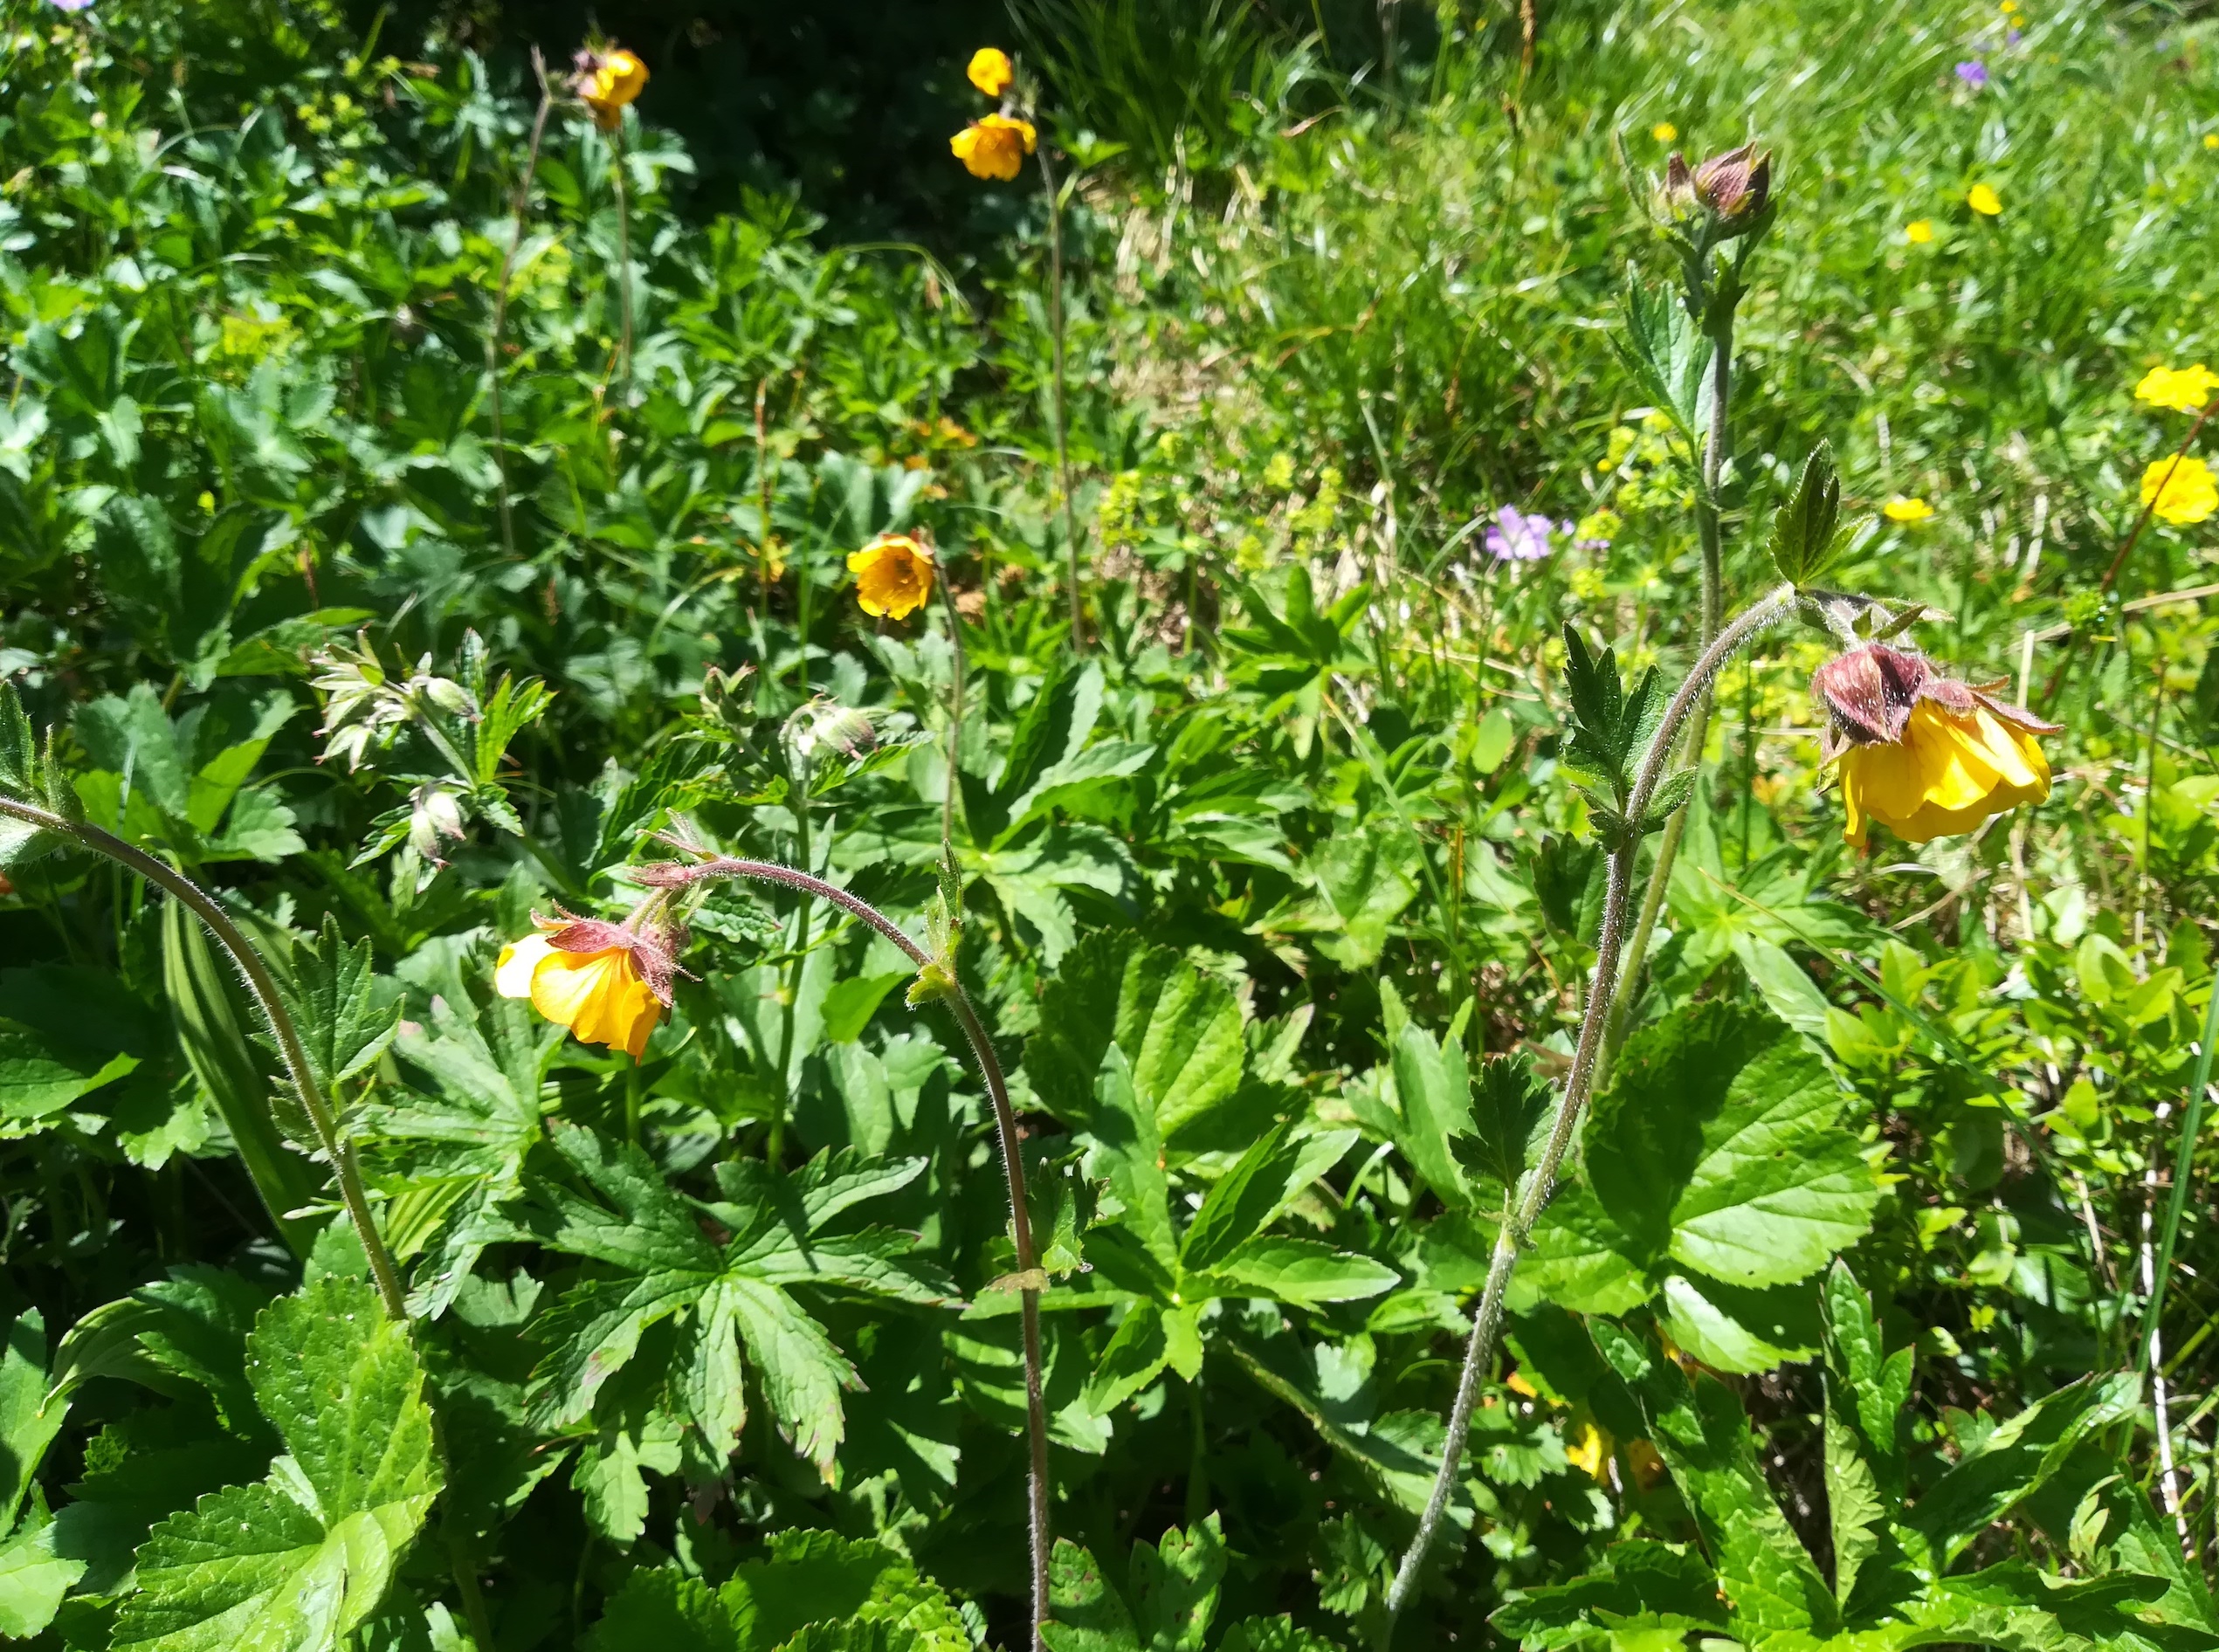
{"x":363,"y":706}
{"x":1729,"y":191}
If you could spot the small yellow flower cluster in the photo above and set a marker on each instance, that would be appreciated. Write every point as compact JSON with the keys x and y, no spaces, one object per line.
{"x":994,"y":146}
{"x":2181,"y":490}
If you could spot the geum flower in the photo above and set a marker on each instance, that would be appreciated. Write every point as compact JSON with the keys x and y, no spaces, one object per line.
{"x":990,"y":71}
{"x":2185,"y":389}
{"x":1922,"y":753}
{"x":2181,"y":491}
{"x":608,"y":983}
{"x":995,"y":146}
{"x":893,"y":576}
{"x":606,"y":82}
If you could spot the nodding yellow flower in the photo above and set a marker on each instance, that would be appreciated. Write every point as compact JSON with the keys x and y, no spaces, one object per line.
{"x":606,"y":82}
{"x":2185,"y":389}
{"x":1909,"y":512}
{"x":1664,"y":132}
{"x":994,"y":146}
{"x":605,"y":982}
{"x":2181,"y":491}
{"x":990,"y":72}
{"x":1918,"y":232}
{"x":893,"y":575}
{"x":1924,"y":755}
{"x":1984,"y":201}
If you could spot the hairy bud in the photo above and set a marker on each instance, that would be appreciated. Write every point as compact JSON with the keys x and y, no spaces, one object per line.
{"x":1731,"y":190}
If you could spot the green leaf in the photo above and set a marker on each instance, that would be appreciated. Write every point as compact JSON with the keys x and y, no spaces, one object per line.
{"x":1802,"y":541}
{"x":1770,"y":1584}
{"x":1669,"y":799}
{"x":1643,"y":1582}
{"x":1510,"y":1105}
{"x":816,"y":1578}
{"x":1134,"y":1357}
{"x":1302,"y":1271}
{"x":1866,"y":1392}
{"x":1736,"y":1329}
{"x":302,"y":1559}
{"x":1435,"y":1090}
{"x":1128,"y":1156}
{"x":1666,"y":353}
{"x":1174,"y":1586}
{"x":2015,"y":1459}
{"x":1180,"y":1031}
{"x":33,"y":1577}
{"x":666,"y":1611}
{"x":1251,"y":1196}
{"x":1087,"y":1614}
{"x":333,"y":1001}
{"x":29,"y":1420}
{"x":41,"y":1075}
{"x":1779,"y":1188}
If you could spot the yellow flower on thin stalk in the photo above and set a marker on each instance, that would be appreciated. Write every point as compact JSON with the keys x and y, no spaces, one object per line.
{"x":893,"y":576}
{"x":995,"y":146}
{"x":1983,"y":200}
{"x":1922,"y":753}
{"x":2179,"y":491}
{"x":608,"y":983}
{"x":990,"y":71}
{"x":1909,"y":512}
{"x":2185,"y":389}
{"x":607,"y":82}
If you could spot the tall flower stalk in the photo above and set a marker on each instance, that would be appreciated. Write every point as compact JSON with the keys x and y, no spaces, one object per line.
{"x":519,"y":209}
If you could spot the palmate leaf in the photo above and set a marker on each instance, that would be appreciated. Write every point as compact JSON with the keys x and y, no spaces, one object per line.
{"x":297,"y":1563}
{"x":332,"y":1001}
{"x":734,"y":1296}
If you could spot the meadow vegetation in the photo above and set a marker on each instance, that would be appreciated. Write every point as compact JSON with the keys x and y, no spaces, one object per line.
{"x":1408,"y":838}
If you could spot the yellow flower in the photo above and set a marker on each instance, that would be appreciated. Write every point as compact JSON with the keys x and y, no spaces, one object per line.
{"x":2185,"y":389}
{"x":1909,"y":512}
{"x":1592,"y":1453}
{"x":1923,"y":754}
{"x":2181,"y":491}
{"x":1664,"y":132}
{"x":607,"y":81}
{"x":990,"y":72}
{"x":600,"y":995}
{"x":893,"y":575}
{"x":1984,"y":201}
{"x":994,"y":146}
{"x":2211,"y":140}
{"x":1918,"y":232}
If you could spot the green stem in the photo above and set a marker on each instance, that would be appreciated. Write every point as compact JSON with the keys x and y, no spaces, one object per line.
{"x":623,"y":258}
{"x":1056,"y":349}
{"x":1005,"y":1124}
{"x":500,"y":297}
{"x":264,"y":986}
{"x":1518,"y":1221}
{"x":1716,"y":450}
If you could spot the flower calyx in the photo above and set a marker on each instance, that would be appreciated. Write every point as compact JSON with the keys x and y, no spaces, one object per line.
{"x":1870,"y":693}
{"x":653,"y":936}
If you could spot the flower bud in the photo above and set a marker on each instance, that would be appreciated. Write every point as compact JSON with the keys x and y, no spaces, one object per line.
{"x":1731,"y":190}
{"x":433,"y":813}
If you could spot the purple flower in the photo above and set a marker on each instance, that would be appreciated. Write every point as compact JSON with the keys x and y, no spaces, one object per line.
{"x":2012,"y":37}
{"x":1517,"y":537}
{"x":71,"y":5}
{"x":1973,"y":73}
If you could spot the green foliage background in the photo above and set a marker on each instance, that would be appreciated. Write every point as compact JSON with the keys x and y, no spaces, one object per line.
{"x":1279,"y":895}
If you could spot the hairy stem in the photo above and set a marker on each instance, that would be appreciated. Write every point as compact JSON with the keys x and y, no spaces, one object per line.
{"x":1056,"y":349}
{"x":523,"y":205}
{"x":1716,"y":450}
{"x":1518,"y":1222}
{"x":1005,"y":1122}
{"x":624,"y":258}
{"x":264,"y":986}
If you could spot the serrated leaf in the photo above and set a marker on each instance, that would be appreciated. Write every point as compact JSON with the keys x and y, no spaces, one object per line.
{"x":1303,"y":1271}
{"x":332,"y":999}
{"x":1670,"y":797}
{"x":1510,"y":1105}
{"x":1174,"y":1586}
{"x":1770,"y":1582}
{"x":1802,"y":540}
{"x":1668,"y":356}
{"x":1087,"y":1614}
{"x":302,"y":1559}
{"x":1251,"y":1196}
{"x":1434,"y":1088}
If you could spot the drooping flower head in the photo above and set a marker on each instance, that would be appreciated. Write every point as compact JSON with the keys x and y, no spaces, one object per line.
{"x":2179,"y":491}
{"x":1922,"y":753}
{"x":1518,"y":537}
{"x":893,"y":575}
{"x":608,"y":983}
{"x":606,"y":82}
{"x":2185,"y":389}
{"x":995,"y":146}
{"x":990,"y":71}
